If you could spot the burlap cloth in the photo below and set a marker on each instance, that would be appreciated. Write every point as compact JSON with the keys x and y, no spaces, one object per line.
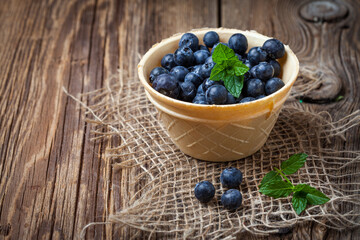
{"x":157,"y":179}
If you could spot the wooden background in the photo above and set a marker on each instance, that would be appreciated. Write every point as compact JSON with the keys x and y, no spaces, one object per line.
{"x":51,"y":174}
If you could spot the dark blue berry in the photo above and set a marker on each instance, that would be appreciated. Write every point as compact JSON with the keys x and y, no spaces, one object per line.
{"x":238,"y":43}
{"x":264,"y":71}
{"x":204,"y":191}
{"x":256,"y":55}
{"x":247,"y":99}
{"x":260,"y":96}
{"x":202,"y":47}
{"x":230,"y":99}
{"x":231,"y":177}
{"x":167,"y":85}
{"x":276,"y":66}
{"x":194,"y":78}
{"x":253,"y":71}
{"x":205,"y":70}
{"x":195,"y":69}
{"x":184,"y":57}
{"x":200,"y":99}
{"x":231,"y":199}
{"x":239,"y":57}
{"x":208,"y":83}
{"x":179,"y":73}
{"x":200,"y":90}
{"x":201,"y":56}
{"x":189,"y":40}
{"x":209,"y":60}
{"x":274,"y":48}
{"x":156,"y":72}
{"x":168,"y":61}
{"x":216,"y":94}
{"x":211,"y":38}
{"x":272,"y":85}
{"x":188,"y":91}
{"x":254,"y":88}
{"x":213,"y":49}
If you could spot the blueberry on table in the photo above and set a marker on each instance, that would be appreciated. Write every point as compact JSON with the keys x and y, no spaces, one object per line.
{"x":167,"y":85}
{"x":276,"y":66}
{"x":231,"y":177}
{"x":211,"y":38}
{"x":274,"y":48}
{"x":187,"y":91}
{"x":179,"y":72}
{"x":256,"y":55}
{"x":204,"y":191}
{"x":156,"y":72}
{"x":264,"y":71}
{"x":201,"y":56}
{"x":189,"y":40}
{"x":200,"y":99}
{"x":184,"y":57}
{"x":255,"y":87}
{"x":213,"y":49}
{"x":247,"y":99}
{"x":208,"y":83}
{"x":231,"y":199}
{"x":168,"y":61}
{"x":202,"y":47}
{"x":273,"y":84}
{"x":238,"y":43}
{"x":194,"y":78}
{"x":216,"y":94}
{"x":205,"y":70}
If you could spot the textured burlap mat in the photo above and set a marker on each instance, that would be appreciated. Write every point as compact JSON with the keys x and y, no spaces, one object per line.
{"x":161,"y":178}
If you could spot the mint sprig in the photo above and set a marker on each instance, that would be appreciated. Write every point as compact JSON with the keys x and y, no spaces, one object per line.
{"x":229,"y":69}
{"x":273,"y":185}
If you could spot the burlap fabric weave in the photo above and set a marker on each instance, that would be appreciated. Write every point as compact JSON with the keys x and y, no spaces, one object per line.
{"x":157,"y":180}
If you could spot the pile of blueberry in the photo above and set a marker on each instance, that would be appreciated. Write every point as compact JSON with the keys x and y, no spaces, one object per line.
{"x":230,"y":178}
{"x":184,"y":75}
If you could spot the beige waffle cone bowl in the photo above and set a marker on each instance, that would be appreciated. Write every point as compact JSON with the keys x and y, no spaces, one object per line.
{"x":218,"y":133}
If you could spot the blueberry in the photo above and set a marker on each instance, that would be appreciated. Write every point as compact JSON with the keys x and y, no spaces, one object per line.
{"x":230,"y":99}
{"x":179,"y":72}
{"x":200,"y":90}
{"x":211,"y":38}
{"x":194,"y":78}
{"x":195,"y":69}
{"x":276,"y":66}
{"x":205,"y":69}
{"x":274,"y":48}
{"x":184,"y":57}
{"x":239,"y":57}
{"x":200,"y":99}
{"x":216,"y":94}
{"x":247,"y":99}
{"x":231,"y":177}
{"x":202,"y":47}
{"x":252,"y":71}
{"x":209,"y":60}
{"x":188,"y":91}
{"x":167,"y":85}
{"x":272,"y":85}
{"x":231,"y":199}
{"x":201,"y":56}
{"x":213,"y":49}
{"x":256,"y":55}
{"x":168,"y":61}
{"x":248,"y":64}
{"x":238,"y":43}
{"x":254,"y":88}
{"x":156,"y":72}
{"x":189,"y":40}
{"x":204,"y":191}
{"x":264,"y":71}
{"x":208,"y":83}
{"x":260,"y":96}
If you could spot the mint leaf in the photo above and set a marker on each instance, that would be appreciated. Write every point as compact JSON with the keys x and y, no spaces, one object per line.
{"x":293,"y":164}
{"x":314,"y":196}
{"x":277,"y":189}
{"x":223,"y":53}
{"x":300,"y":187}
{"x":217,"y":73}
{"x":240,"y":68}
{"x":299,"y":202}
{"x":234,"y":84}
{"x":270,"y":176}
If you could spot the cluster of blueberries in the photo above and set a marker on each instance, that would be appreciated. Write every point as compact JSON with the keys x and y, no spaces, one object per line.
{"x":230,"y":178}
{"x":184,"y":75}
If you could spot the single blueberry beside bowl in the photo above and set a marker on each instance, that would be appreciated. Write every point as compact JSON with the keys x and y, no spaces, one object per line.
{"x":184,"y":57}
{"x":204,"y":191}
{"x":238,"y":43}
{"x":256,"y":55}
{"x":201,"y":56}
{"x":168,"y":61}
{"x":273,"y":85}
{"x":189,"y":40}
{"x":264,"y":71}
{"x":194,"y":78}
{"x":216,"y":94}
{"x":231,"y":199}
{"x":179,"y":72}
{"x":211,"y":38}
{"x":254,"y":87}
{"x":156,"y":72}
{"x":187,"y":91}
{"x":231,"y":177}
{"x":274,"y":48}
{"x":167,"y":84}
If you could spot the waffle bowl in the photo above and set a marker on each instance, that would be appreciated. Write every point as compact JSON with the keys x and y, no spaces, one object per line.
{"x":218,"y":133}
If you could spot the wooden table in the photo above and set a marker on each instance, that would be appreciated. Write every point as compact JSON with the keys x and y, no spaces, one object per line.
{"x":51,"y":174}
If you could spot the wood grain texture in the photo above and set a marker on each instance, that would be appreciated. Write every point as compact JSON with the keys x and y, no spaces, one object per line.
{"x":53,"y":180}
